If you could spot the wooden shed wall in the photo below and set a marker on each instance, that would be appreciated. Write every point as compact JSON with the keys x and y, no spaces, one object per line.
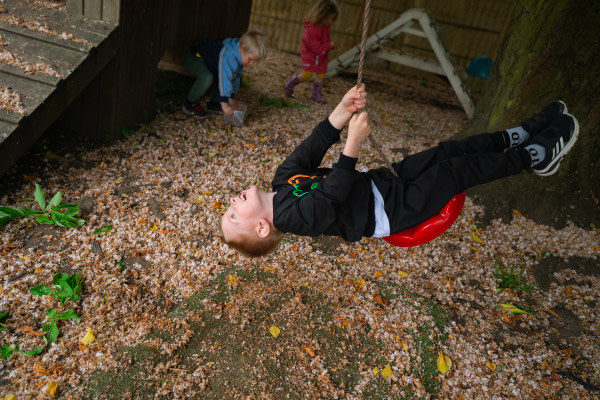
{"x":123,"y":95}
{"x":469,"y":28}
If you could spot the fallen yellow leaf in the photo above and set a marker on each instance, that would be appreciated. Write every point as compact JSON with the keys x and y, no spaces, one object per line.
{"x":490,"y":365}
{"x":378,"y":273}
{"x":201,"y":199}
{"x":51,"y":388}
{"x":305,"y":284}
{"x":403,"y":274}
{"x":274,"y":330}
{"x":25,"y":258}
{"x":88,"y":337}
{"x":38,"y":270}
{"x":387,"y":371}
{"x":232,"y":280}
{"x":444,"y":363}
{"x":517,"y":213}
{"x":156,"y":168}
{"x":512,"y":309}
{"x":154,"y":228}
{"x":11,"y":397}
{"x":375,"y":371}
{"x":476,"y":238}
{"x":569,"y":291}
{"x":359,"y":283}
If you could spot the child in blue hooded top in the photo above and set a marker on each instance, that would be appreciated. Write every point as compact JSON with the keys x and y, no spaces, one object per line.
{"x":218,"y":66}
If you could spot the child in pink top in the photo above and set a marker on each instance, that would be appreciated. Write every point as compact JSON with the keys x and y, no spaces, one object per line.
{"x":316,"y":44}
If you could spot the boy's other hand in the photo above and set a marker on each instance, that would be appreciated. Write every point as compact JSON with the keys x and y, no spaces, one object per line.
{"x":359,"y":127}
{"x":227,"y":109}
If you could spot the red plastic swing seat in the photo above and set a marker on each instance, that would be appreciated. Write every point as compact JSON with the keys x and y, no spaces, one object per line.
{"x":430,"y":229}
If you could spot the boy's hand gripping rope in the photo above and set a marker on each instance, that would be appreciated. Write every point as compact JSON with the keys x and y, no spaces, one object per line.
{"x":360,"y":73}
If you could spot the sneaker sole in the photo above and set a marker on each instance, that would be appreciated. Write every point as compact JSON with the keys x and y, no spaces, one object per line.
{"x":553,"y":166}
{"x":528,"y":141}
{"x":187,"y":112}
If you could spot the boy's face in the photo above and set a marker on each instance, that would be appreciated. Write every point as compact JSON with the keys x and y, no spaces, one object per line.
{"x":244,"y":212}
{"x":248,"y":58}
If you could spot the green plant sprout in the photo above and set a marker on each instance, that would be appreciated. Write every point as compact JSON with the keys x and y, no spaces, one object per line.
{"x":49,"y":213}
{"x":279,"y":102}
{"x":106,"y":228}
{"x":510,"y":278}
{"x":66,"y":288}
{"x":7,"y":350}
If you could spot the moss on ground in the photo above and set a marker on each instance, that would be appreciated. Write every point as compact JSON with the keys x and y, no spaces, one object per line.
{"x":228,"y":353}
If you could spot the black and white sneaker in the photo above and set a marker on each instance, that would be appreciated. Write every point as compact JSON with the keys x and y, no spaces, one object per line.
{"x":540,"y":121}
{"x":557,"y":140}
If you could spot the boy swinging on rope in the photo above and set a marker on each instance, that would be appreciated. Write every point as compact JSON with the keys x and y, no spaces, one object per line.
{"x":310,"y":200}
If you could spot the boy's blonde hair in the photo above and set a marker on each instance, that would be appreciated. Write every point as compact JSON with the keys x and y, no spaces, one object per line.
{"x":321,"y":10}
{"x":254,"y":41}
{"x":250,"y":245}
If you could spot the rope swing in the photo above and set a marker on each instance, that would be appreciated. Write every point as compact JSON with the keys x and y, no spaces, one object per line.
{"x":439,"y":223}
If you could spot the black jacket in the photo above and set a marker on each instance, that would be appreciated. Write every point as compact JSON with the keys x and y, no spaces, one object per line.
{"x":311,"y":201}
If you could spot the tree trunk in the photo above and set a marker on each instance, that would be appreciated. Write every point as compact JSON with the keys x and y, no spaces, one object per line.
{"x":551,"y":52}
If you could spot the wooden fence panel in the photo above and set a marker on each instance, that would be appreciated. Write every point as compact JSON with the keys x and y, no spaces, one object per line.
{"x":468,"y":28}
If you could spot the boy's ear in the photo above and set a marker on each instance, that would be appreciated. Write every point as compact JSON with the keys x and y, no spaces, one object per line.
{"x":263,"y":229}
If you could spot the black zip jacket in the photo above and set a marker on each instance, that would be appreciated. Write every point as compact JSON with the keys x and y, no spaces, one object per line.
{"x":311,"y":201}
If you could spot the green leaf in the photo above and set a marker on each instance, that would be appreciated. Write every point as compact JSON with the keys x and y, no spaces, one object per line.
{"x":59,"y":276}
{"x":69,"y":314}
{"x":5,"y":220}
{"x":2,"y":316}
{"x":40,"y":290}
{"x":50,"y":314}
{"x":66,"y":205}
{"x":12,"y":211}
{"x":40,"y":197}
{"x":55,"y":200}
{"x":29,"y":211}
{"x":75,"y":282}
{"x":6,"y":351}
{"x":42,"y":219}
{"x":31,"y":352}
{"x":53,"y":335}
{"x":71,"y":211}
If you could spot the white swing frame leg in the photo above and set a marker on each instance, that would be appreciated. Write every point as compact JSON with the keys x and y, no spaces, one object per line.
{"x":404,"y":24}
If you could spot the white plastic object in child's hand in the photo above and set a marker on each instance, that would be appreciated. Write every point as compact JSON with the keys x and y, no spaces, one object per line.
{"x":237,"y":119}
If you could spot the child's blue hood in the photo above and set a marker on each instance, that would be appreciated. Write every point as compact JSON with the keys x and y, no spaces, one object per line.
{"x":232,"y":44}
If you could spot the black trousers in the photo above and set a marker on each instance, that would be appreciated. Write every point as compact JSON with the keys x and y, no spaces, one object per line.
{"x":429,"y":179}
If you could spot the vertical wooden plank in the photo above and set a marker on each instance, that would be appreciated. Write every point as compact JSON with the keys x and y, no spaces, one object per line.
{"x":92,"y":9}
{"x":111,"y":10}
{"x":75,"y":7}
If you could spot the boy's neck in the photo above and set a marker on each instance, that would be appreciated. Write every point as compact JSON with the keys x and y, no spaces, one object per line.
{"x":269,"y":206}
